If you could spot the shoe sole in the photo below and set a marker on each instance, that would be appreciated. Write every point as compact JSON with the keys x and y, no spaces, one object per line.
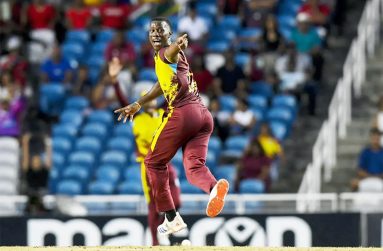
{"x":215,"y":205}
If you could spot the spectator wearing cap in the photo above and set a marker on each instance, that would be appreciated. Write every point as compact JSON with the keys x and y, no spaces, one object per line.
{"x":318,"y":12}
{"x":370,"y":160}
{"x":193,"y":25}
{"x":307,"y":40}
{"x":56,"y":69}
{"x":243,"y":119}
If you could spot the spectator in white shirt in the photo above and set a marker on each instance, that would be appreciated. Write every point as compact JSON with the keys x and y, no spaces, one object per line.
{"x":193,"y":25}
{"x":243,"y":119}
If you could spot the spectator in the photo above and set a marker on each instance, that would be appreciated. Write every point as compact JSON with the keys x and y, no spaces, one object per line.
{"x":370,"y":160}
{"x":11,"y":109}
{"x":377,"y":122}
{"x":230,"y":78}
{"x":78,"y":16}
{"x":40,"y":15}
{"x":230,"y":7}
{"x":36,"y":174}
{"x":56,"y":69}
{"x":254,"y":69}
{"x":114,"y":15}
{"x":103,"y":95}
{"x":10,"y":21}
{"x":255,"y":11}
{"x":193,"y":25}
{"x":14,"y":62}
{"x":221,"y":120}
{"x":243,"y":119}
{"x":121,"y":49}
{"x":201,"y":75}
{"x":82,"y":84}
{"x":254,"y":164}
{"x":308,"y":41}
{"x":318,"y":12}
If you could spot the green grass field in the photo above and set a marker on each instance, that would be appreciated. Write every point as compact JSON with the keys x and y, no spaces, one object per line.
{"x":180,"y":248}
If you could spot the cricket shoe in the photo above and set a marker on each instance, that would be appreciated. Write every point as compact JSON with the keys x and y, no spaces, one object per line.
{"x":169,"y":227}
{"x":217,"y":198}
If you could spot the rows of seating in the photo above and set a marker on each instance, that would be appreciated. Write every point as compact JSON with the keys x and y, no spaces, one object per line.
{"x":9,"y":166}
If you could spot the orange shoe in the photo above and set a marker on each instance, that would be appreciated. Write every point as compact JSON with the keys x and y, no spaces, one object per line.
{"x":217,"y":198}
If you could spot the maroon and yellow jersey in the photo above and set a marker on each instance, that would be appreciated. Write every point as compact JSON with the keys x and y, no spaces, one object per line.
{"x":176,"y":80}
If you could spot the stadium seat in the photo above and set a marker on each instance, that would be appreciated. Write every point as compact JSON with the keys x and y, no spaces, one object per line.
{"x":78,"y":173}
{"x":108,"y":173}
{"x":283,"y":115}
{"x":227,"y":172}
{"x":286,"y":32}
{"x":10,"y":173}
{"x":105,"y":36}
{"x":218,"y":46}
{"x":123,"y":130}
{"x":101,"y":187}
{"x":73,"y":50}
{"x":141,"y":86}
{"x":97,"y":130}
{"x":76,"y":103}
{"x":94,"y":73}
{"x":287,"y":21}
{"x":180,"y":171}
{"x":242,"y":59}
{"x":98,"y":48}
{"x":124,"y":144}
{"x":206,"y":9}
{"x":58,"y":161}
{"x":69,"y":187}
{"x":54,"y":177}
{"x":261,"y":88}
{"x":8,"y":187}
{"x":65,"y":131}
{"x":230,"y":22}
{"x":82,"y":158}
{"x":130,"y":187}
{"x":278,"y":130}
{"x":133,"y":173}
{"x":258,"y":101}
{"x":227,"y":103}
{"x":187,"y":188}
{"x":117,"y":158}
{"x":285,"y":101}
{"x":136,"y":35}
{"x":8,"y":144}
{"x":52,"y":97}
{"x":89,"y":144}
{"x":221,"y":34}
{"x":178,"y":158}
{"x":289,"y":8}
{"x":215,"y":145}
{"x":147,"y":74}
{"x":79,"y":36}
{"x":11,"y":159}
{"x":237,"y":143}
{"x":211,"y":160}
{"x":142,"y":22}
{"x":61,"y":145}
{"x":101,"y":116}
{"x":252,"y":186}
{"x":96,"y":61}
{"x":71,"y":117}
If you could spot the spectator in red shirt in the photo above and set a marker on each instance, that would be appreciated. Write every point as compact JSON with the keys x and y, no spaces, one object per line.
{"x":318,"y":12}
{"x":121,"y":49}
{"x":230,"y":7}
{"x":114,"y":15}
{"x":201,"y":75}
{"x":78,"y":16}
{"x":254,"y":165}
{"x":40,"y":15}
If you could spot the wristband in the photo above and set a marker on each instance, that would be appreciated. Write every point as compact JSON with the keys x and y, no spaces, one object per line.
{"x":138,"y":105}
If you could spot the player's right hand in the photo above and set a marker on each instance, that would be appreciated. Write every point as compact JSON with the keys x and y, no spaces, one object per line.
{"x":128,"y":112}
{"x":114,"y":67}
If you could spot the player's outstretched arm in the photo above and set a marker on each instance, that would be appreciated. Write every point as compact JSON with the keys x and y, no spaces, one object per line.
{"x":171,"y":53}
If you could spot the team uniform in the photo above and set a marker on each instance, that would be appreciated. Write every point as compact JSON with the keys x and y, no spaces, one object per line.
{"x":187,"y":124}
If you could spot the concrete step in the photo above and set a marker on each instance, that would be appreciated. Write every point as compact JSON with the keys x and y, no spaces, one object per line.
{"x":349,"y":150}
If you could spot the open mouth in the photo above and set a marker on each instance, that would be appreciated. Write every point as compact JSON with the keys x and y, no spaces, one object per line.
{"x":156,"y":41}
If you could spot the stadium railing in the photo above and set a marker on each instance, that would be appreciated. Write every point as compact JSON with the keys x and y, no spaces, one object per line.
{"x":339,"y":111}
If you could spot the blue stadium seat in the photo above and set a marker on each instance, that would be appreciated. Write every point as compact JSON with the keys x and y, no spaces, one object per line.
{"x":101,"y":187}
{"x":101,"y":116}
{"x":147,"y":74}
{"x":58,"y":161}
{"x":287,"y":101}
{"x":180,"y":171}
{"x":286,"y":32}
{"x":76,"y":103}
{"x":227,"y":103}
{"x":261,"y":88}
{"x":98,"y":48}
{"x":71,"y":117}
{"x":253,"y":186}
{"x":133,"y":173}
{"x":52,"y":97}
{"x":178,"y":158}
{"x":85,"y":159}
{"x":78,"y":173}
{"x":174,"y":22}
{"x":287,"y":21}
{"x":65,"y":131}
{"x":136,"y":35}
{"x":278,"y":130}
{"x":215,"y":145}
{"x":123,"y":130}
{"x":97,"y":130}
{"x":227,"y":172}
{"x":105,"y":36}
{"x":237,"y":143}
{"x":221,"y":34}
{"x":242,"y":59}
{"x":61,"y":145}
{"x":187,"y":188}
{"x":218,"y":46}
{"x":257,"y":101}
{"x":129,"y":187}
{"x":96,"y":61}
{"x":69,"y":187}
{"x":73,"y":50}
{"x":89,"y":144}
{"x":142,"y":22}
{"x":54,"y":177}
{"x":206,"y":9}
{"x":250,"y":32}
{"x":289,"y":8}
{"x":230,"y":22}
{"x":211,"y":160}
{"x":259,"y":113}
{"x":108,"y":173}
{"x":280,"y":114}
{"x":94,"y":74}
{"x":79,"y":36}
{"x":124,"y":144}
{"x":116,"y":158}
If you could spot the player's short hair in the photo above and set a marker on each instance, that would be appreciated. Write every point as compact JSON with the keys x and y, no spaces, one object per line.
{"x":162,"y":19}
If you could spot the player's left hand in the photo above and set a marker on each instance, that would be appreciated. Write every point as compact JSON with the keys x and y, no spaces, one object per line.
{"x":182,"y":41}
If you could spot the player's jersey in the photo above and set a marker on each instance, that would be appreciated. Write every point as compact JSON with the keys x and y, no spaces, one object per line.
{"x":176,"y":80}
{"x":144,"y":127}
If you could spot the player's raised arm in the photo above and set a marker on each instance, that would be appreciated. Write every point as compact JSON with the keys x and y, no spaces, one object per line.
{"x":171,"y":52}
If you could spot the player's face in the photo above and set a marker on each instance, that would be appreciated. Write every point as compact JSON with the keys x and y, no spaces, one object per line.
{"x":159,"y":34}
